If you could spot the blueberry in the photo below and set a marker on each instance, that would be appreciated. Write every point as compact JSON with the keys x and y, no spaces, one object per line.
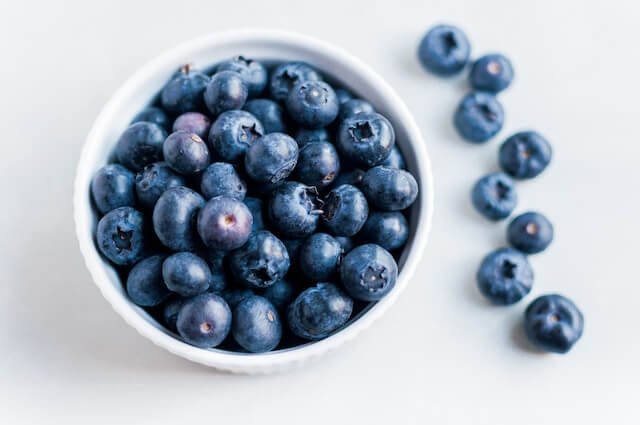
{"x":319,"y":257}
{"x":154,"y":115}
{"x":395,"y":159}
{"x":345,"y":210}
{"x":271,"y":158}
{"x":253,"y":72}
{"x":224,"y":223}
{"x":227,"y":90}
{"x":479,"y":117}
{"x":553,"y":323}
{"x":215,"y":259}
{"x":390,"y":230}
{"x":256,"y":325}
{"x":294,"y":209}
{"x":389,"y":189}
{"x":365,"y":139}
{"x":346,"y":243}
{"x":505,"y":276}
{"x":524,"y":155}
{"x":186,"y":152}
{"x":256,"y":207}
{"x":170,"y":312}
{"x":121,"y":236}
{"x":204,"y":320}
{"x":494,"y":196}
{"x":280,"y":294}
{"x":144,"y":282}
{"x":154,"y":180}
{"x":232,"y":134}
{"x":140,"y":144}
{"x":186,"y":274}
{"x":312,"y":104}
{"x":530,"y":232}
{"x":220,"y":179}
{"x":343,"y":95}
{"x":112,"y":187}
{"x":233,"y":296}
{"x":319,"y":311}
{"x":351,"y":176}
{"x":286,"y":75}
{"x":444,"y":50}
{"x":269,"y":113}
{"x":368,"y":272}
{"x":354,"y":107}
{"x":492,"y":73}
{"x":184,"y":92}
{"x":305,"y":135}
{"x":261,"y":262}
{"x":174,"y":218}
{"x":318,"y":164}
{"x":193,"y":122}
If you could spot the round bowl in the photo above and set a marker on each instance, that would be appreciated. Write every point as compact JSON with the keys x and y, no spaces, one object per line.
{"x":203,"y":52}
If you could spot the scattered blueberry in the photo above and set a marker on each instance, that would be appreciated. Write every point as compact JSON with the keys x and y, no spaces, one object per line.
{"x":354,"y":107}
{"x":389,"y":189}
{"x":204,"y":320}
{"x":492,"y":73}
{"x":479,"y":117}
{"x":186,"y":274}
{"x":154,"y":180}
{"x":144,"y":282}
{"x":221,"y":179}
{"x":294,"y":209}
{"x":232,"y":134}
{"x":184,"y":92}
{"x":254,"y":73}
{"x":154,"y":115}
{"x":553,"y":323}
{"x":261,"y":262}
{"x":366,"y":139}
{"x":494,"y":196}
{"x":305,"y":135}
{"x":368,"y":272}
{"x":280,"y":294}
{"x":530,"y":232}
{"x":193,"y":122}
{"x":312,"y":104}
{"x":286,"y":75}
{"x":269,"y":113}
{"x":224,"y":223}
{"x":319,"y":311}
{"x":256,"y":325}
{"x":318,"y":164}
{"x":271,"y":158}
{"x":444,"y":50}
{"x":505,"y":276}
{"x":256,"y":207}
{"x":186,"y":153}
{"x":524,"y":155}
{"x":345,"y":210}
{"x":320,"y":255}
{"x":395,"y":159}
{"x":174,"y":218}
{"x":121,"y":236}
{"x":113,"y":186}
{"x":390,"y":230}
{"x":227,"y":90}
{"x":140,"y":144}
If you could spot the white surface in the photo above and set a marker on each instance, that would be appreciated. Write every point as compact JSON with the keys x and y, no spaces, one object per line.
{"x":441,"y":355}
{"x":202,"y":53}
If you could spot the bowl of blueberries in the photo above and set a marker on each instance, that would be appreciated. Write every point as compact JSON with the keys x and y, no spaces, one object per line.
{"x":253,"y":199}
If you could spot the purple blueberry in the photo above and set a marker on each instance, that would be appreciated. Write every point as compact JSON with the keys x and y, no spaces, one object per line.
{"x":193,"y":122}
{"x":186,"y":274}
{"x":183,"y":93}
{"x":204,"y":320}
{"x":186,"y":153}
{"x":256,"y":325}
{"x":144,"y":282}
{"x":271,"y":158}
{"x":221,"y":179}
{"x":140,"y":144}
{"x":112,"y":187}
{"x":224,"y":223}
{"x":174,"y":218}
{"x":227,"y":90}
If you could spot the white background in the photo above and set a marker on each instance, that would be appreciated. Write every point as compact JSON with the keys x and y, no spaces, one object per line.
{"x":441,"y":355}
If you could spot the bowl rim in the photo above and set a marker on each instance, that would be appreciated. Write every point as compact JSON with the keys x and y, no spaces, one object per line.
{"x":239,"y":362}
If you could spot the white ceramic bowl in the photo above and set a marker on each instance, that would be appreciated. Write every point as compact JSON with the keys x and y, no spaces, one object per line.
{"x":204,"y":52}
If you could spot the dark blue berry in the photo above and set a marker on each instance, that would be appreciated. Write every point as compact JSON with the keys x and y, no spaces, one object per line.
{"x":530,"y":232}
{"x":286,"y":75}
{"x":224,"y":223}
{"x":112,"y":187}
{"x":193,"y":122}
{"x":319,"y":311}
{"x":140,"y":144}
{"x":271,"y":158}
{"x":186,"y":274}
{"x":154,"y":115}
{"x":312,"y":104}
{"x":319,"y":257}
{"x":221,"y":179}
{"x":261,"y":262}
{"x":389,"y":189}
{"x":294,"y":209}
{"x":174,"y":218}
{"x":256,"y":325}
{"x":365,"y":139}
{"x":144,"y":282}
{"x":525,"y":154}
{"x":253,"y":72}
{"x":318,"y":164}
{"x":354,"y":107}
{"x":395,"y":159}
{"x":368,"y":272}
{"x":232,"y":134}
{"x":305,"y":135}
{"x":186,"y":153}
{"x":154,"y":180}
{"x":121,"y":236}
{"x":227,"y":90}
{"x":345,"y":210}
{"x":390,"y":230}
{"x":269,"y":113}
{"x":553,"y":323}
{"x":505,"y":276}
{"x":184,"y":92}
{"x":494,"y":196}
{"x":492,"y":73}
{"x":444,"y":50}
{"x":479,"y":117}
{"x":204,"y":320}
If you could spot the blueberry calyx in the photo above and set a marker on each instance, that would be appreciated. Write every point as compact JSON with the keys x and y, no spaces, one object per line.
{"x":361,"y":131}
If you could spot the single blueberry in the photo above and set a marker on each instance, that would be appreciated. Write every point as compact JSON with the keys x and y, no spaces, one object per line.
{"x":319,"y":311}
{"x":174,"y":218}
{"x":170,"y":312}
{"x":352,"y":176}
{"x":227,"y":90}
{"x":320,"y":255}
{"x":256,"y":207}
{"x":193,"y":122}
{"x":186,"y":274}
{"x":395,"y":159}
{"x":354,"y":107}
{"x":286,"y":75}
{"x":144,"y":282}
{"x":368,"y":272}
{"x":318,"y":164}
{"x":306,"y":135}
{"x":492,"y":73}
{"x":140,"y":144}
{"x":269,"y":113}
{"x":479,"y":117}
{"x":390,"y":230}
{"x":345,"y":210}
{"x":121,"y":236}
{"x":389,"y":189}
{"x":232,"y":134}
{"x":154,"y":115}
{"x":294,"y":209}
{"x":220,"y":179}
{"x":366,"y":139}
{"x":505,"y":276}
{"x":254,"y":73}
{"x":312,"y":104}
{"x":444,"y":50}
{"x":183,"y":93}
{"x":224,"y":223}
{"x":261,"y":262}
{"x":204,"y":320}
{"x":346,"y":243}
{"x":112,"y":187}
{"x":256,"y":325}
{"x":494,"y":196}
{"x":186,"y":153}
{"x":233,"y":296}
{"x":154,"y":180}
{"x":530,"y":232}
{"x":343,"y":95}
{"x":271,"y":158}
{"x":525,"y":154}
{"x":553,"y":323}
{"x":280,"y":294}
